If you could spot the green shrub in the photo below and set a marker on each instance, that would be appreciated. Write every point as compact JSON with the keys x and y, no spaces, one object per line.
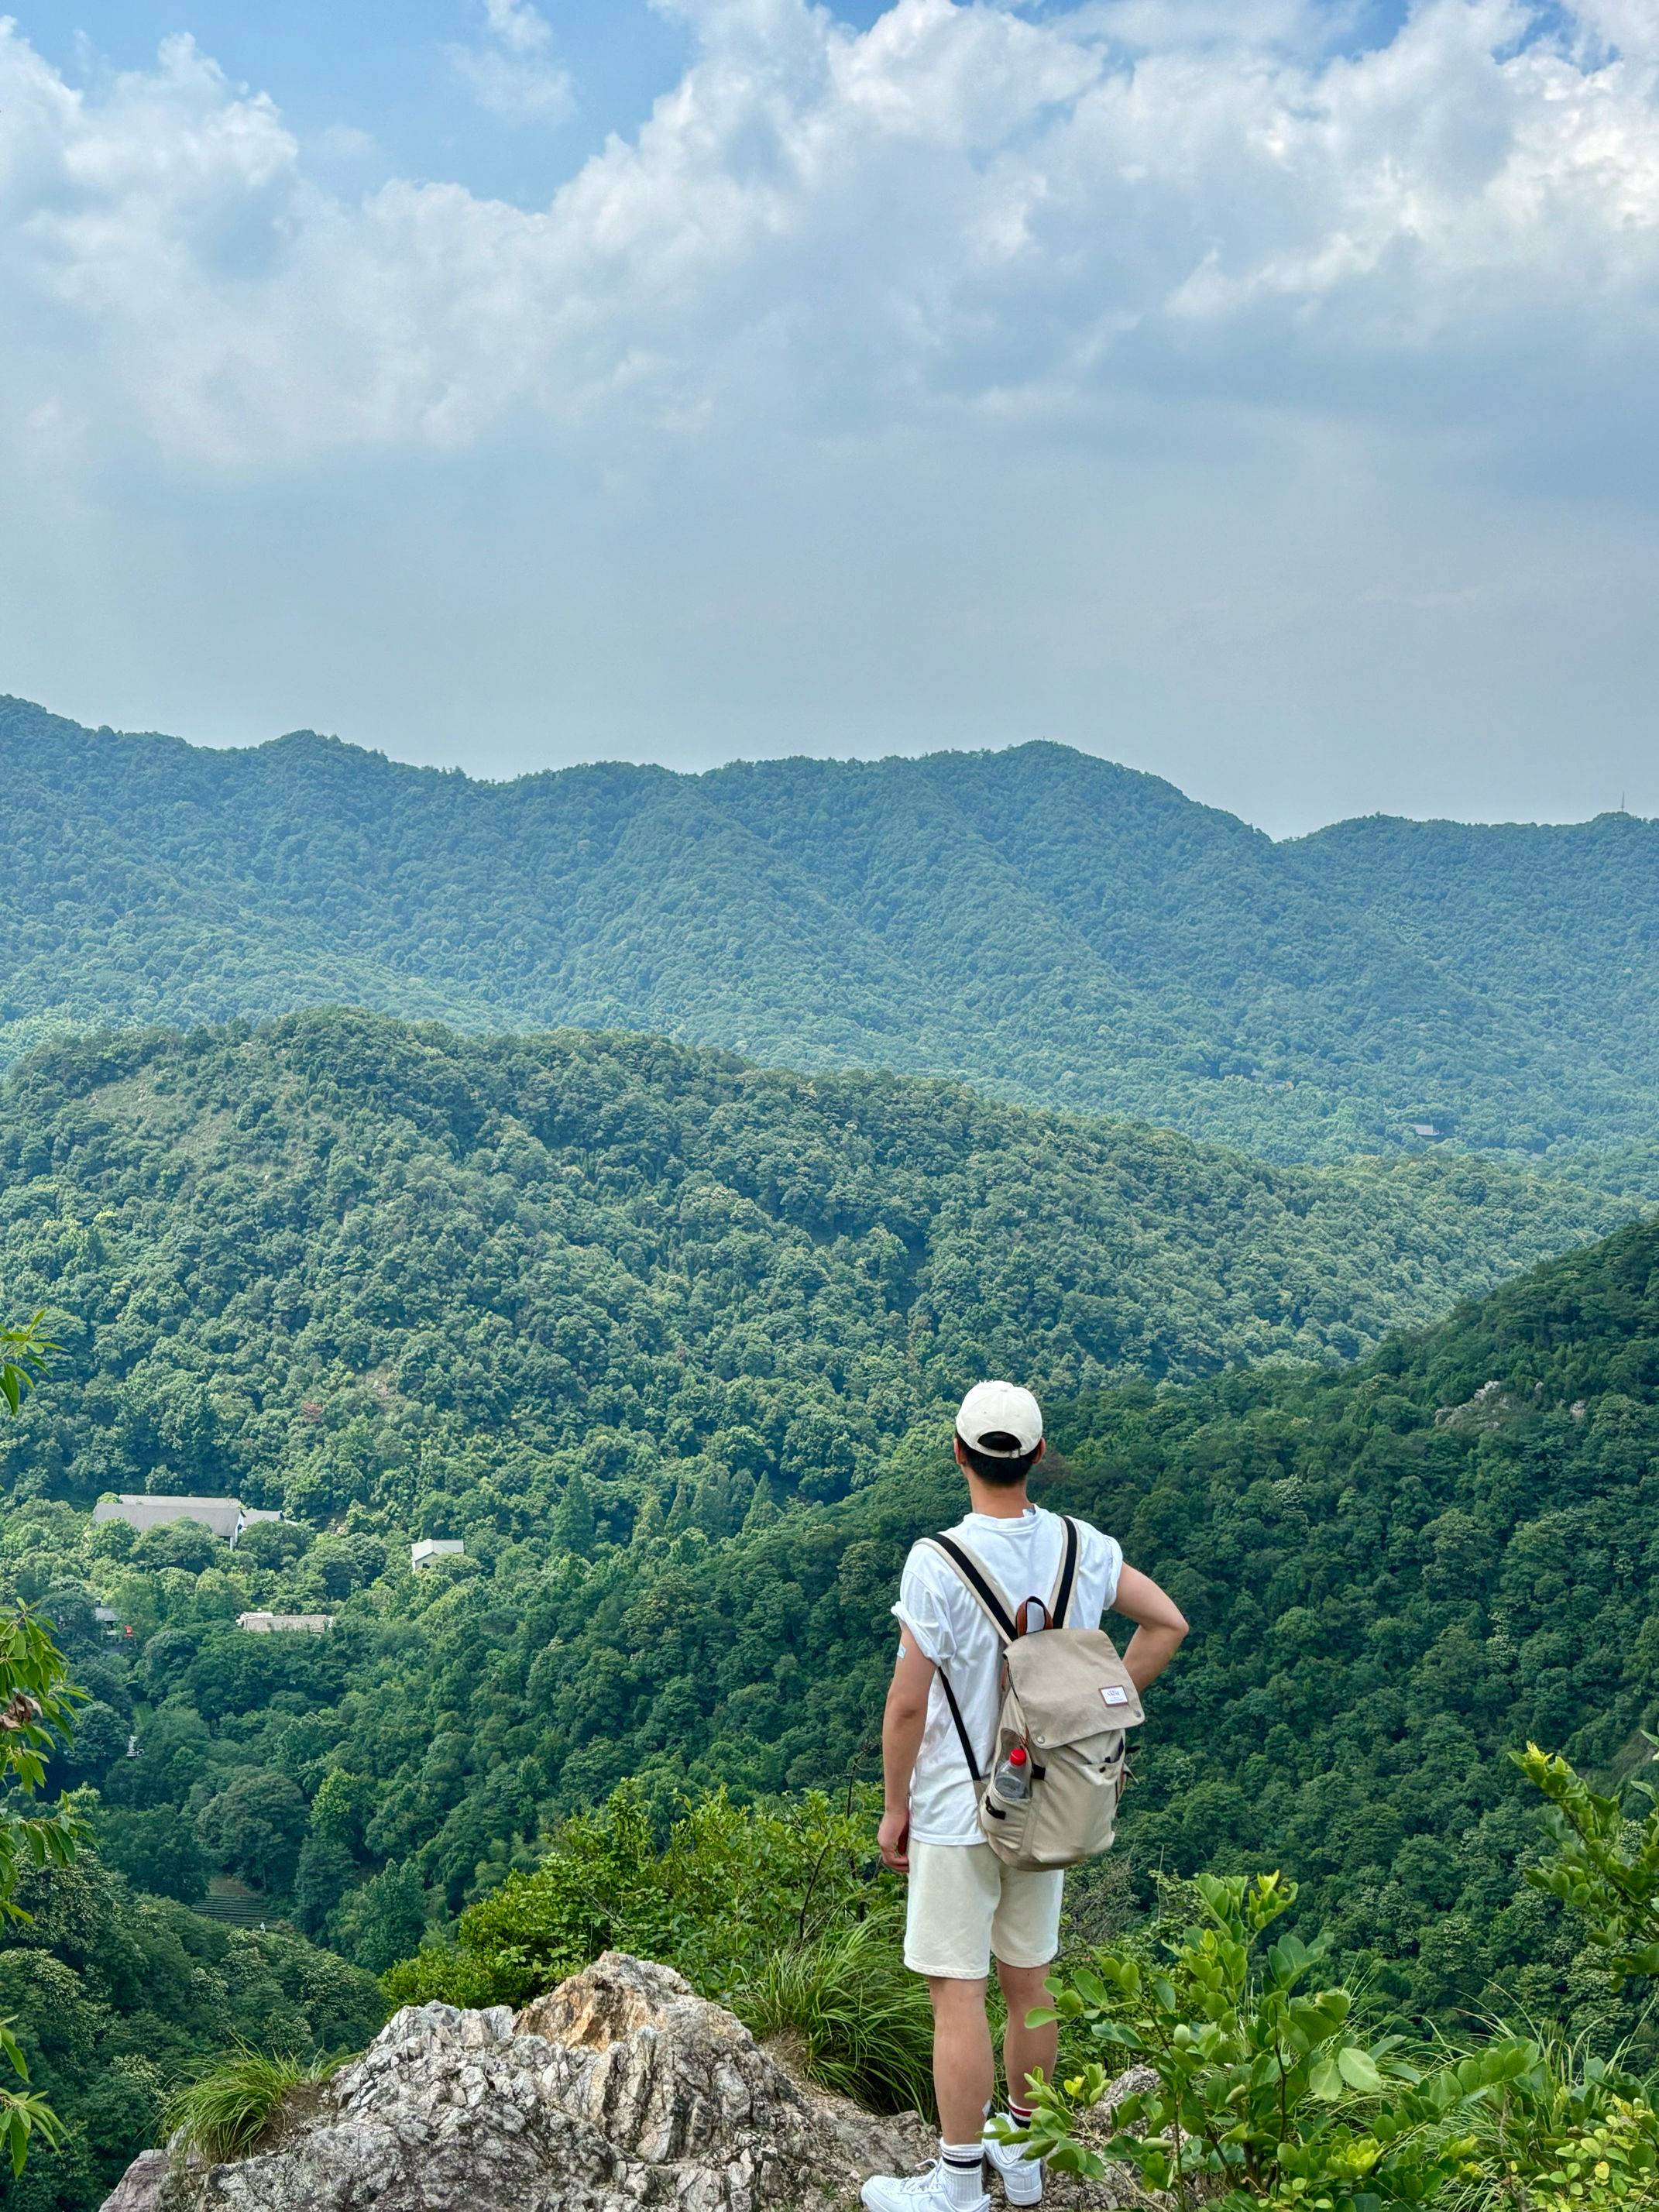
{"x":861,"y":2019}
{"x":1268,"y":2090}
{"x":728,"y":1886}
{"x":36,"y":1698}
{"x":440,"y":1974}
{"x":236,"y":2105}
{"x":1606,"y":1863}
{"x":1573,"y":2130}
{"x":24,"y":2113}
{"x":1612,"y":2162}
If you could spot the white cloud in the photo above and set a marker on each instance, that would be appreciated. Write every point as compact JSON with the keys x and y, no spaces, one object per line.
{"x":521,"y":29}
{"x":958,"y":207}
{"x":509,"y":70}
{"x":1117,"y":277}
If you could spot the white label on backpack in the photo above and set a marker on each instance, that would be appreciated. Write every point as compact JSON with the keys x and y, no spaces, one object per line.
{"x":1114,"y":1695}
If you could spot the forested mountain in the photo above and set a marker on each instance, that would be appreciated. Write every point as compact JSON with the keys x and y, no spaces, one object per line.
{"x":343,"y":1260}
{"x":666,"y":1336}
{"x":579,"y":1297}
{"x":666,"y":1339}
{"x":1397,"y":1572}
{"x":1046,"y":925}
{"x":117,"y":1995}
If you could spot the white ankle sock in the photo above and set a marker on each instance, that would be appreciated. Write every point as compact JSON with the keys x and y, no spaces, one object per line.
{"x":959,"y":2165}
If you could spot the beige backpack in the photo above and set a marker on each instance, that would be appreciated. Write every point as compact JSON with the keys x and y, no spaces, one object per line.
{"x":1066,"y":1700}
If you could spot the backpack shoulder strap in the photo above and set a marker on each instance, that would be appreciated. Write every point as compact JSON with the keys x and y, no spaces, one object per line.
{"x":988,"y":1598}
{"x":981,"y":1588}
{"x":1064,"y":1581}
{"x":962,"y":1737}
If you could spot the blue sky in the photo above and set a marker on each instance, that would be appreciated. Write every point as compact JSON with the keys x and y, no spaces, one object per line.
{"x":383,"y":69}
{"x":1255,"y":391}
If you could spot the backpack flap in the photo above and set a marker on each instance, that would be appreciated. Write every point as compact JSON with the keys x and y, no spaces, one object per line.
{"x":1071,"y":1686}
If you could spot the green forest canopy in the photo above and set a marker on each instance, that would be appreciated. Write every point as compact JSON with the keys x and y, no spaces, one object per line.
{"x":345,"y":1261}
{"x":1395,"y":1573}
{"x":666,"y":1341}
{"x":115,"y":1997}
{"x":1045,"y":924}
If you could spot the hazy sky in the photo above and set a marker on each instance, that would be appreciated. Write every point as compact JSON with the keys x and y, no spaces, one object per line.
{"x":1257,"y":391}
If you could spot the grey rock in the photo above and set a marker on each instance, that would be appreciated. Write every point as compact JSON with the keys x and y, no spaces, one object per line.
{"x":139,"y":2189}
{"x":1491,"y":1407}
{"x":620,"y":2091}
{"x":1134,"y":2083}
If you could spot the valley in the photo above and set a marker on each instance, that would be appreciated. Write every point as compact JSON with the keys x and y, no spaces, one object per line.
{"x":582,"y":1391}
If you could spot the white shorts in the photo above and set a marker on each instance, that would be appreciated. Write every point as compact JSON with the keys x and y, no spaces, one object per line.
{"x":964,"y":1905}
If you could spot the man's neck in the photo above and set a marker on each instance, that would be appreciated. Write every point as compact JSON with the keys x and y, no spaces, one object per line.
{"x":1000,"y":1501}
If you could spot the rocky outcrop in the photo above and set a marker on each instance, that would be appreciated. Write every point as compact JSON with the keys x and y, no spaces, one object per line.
{"x":140,"y":2187}
{"x":1494,"y":1406}
{"x":620,"y":2090}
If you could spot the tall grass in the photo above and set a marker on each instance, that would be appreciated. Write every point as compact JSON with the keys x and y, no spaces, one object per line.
{"x":235,"y":2105}
{"x":862,"y":2020}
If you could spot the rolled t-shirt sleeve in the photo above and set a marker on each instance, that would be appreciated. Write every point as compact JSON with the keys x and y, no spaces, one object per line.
{"x":923,"y":1609}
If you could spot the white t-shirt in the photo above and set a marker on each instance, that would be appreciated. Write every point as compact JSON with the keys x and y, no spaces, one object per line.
{"x":1019,"y":1558}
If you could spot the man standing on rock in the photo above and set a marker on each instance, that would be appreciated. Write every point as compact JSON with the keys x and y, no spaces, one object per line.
{"x":1007,"y":1560}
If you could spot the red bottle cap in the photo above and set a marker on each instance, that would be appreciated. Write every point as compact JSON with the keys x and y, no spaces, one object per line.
{"x":1016,"y":1756}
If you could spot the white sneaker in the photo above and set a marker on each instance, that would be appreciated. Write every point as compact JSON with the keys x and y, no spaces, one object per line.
{"x":1021,"y":2177}
{"x":917,"y":2192}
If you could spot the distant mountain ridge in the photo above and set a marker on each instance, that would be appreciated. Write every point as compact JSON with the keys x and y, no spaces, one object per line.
{"x":1045,"y":924}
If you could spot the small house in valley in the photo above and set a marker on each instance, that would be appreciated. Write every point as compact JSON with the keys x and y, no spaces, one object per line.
{"x":435,"y":1547}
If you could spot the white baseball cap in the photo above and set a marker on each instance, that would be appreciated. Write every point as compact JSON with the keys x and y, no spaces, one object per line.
{"x":1001,"y":1411}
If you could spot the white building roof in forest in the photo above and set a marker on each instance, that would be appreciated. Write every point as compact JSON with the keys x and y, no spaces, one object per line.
{"x":436,"y":1548}
{"x":278,"y":1623}
{"x":141,"y":1510}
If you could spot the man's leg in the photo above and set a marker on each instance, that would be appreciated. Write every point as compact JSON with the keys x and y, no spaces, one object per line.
{"x":964,"y":2069}
{"x":1024,"y":2050}
{"x":953,"y":1893}
{"x":1025,"y":1936}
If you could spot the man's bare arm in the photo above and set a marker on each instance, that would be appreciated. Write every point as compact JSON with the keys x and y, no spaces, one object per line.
{"x":1160,"y":1625}
{"x":902,"y":1726}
